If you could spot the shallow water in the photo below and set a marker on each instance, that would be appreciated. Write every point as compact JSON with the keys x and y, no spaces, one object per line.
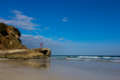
{"x":88,"y":70}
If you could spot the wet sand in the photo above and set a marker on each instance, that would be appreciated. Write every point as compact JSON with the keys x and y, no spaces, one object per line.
{"x":12,"y":71}
{"x":9,"y":72}
{"x":46,"y":69}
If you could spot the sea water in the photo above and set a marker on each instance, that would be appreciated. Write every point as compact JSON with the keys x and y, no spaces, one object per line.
{"x":103,"y":58}
{"x":87,"y":67}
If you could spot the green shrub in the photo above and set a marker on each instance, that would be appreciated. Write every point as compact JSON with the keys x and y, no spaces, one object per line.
{"x":2,"y":25}
{"x":3,"y":29}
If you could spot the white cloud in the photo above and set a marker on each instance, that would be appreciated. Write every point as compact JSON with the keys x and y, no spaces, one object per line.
{"x":47,"y":28}
{"x":61,"y":39}
{"x":34,"y":42}
{"x":68,"y":47}
{"x":21,"y":21}
{"x":65,"y":19}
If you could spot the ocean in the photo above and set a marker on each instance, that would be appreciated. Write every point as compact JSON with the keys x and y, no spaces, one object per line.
{"x":102,"y":58}
{"x":87,"y":67}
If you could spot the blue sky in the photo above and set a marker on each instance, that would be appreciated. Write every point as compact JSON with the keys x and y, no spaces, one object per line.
{"x":75,"y":27}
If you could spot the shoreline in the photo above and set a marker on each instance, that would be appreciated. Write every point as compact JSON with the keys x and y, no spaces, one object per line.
{"x":48,"y":69}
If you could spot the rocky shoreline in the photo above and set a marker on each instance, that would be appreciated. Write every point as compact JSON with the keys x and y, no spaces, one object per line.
{"x":36,"y":53}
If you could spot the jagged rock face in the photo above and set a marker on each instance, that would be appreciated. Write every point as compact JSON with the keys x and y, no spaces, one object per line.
{"x":44,"y":51}
{"x":9,"y":38}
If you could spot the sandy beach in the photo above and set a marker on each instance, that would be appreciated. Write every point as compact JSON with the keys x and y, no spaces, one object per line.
{"x":13,"y":71}
{"x":9,"y":72}
{"x":46,"y":69}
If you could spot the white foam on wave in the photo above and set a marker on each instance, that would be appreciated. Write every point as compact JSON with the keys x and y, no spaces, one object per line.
{"x":88,"y":57}
{"x":106,"y":57}
{"x":83,"y":59}
{"x":72,"y":58}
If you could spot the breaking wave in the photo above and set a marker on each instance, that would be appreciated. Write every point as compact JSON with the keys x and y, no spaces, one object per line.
{"x":87,"y":58}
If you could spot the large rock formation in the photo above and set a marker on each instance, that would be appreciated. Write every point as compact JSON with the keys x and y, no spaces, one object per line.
{"x":11,"y":47}
{"x":9,"y":38}
{"x":26,"y":53}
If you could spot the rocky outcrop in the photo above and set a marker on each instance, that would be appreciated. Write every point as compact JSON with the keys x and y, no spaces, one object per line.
{"x":26,"y":53}
{"x":11,"y":47}
{"x":45,"y":51}
{"x":9,"y":38}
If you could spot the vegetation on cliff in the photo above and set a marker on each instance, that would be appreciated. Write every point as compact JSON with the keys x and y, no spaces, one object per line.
{"x":3,"y":29}
{"x":9,"y":38}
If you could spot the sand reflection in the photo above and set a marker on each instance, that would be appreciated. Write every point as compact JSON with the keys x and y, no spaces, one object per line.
{"x":31,"y":63}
